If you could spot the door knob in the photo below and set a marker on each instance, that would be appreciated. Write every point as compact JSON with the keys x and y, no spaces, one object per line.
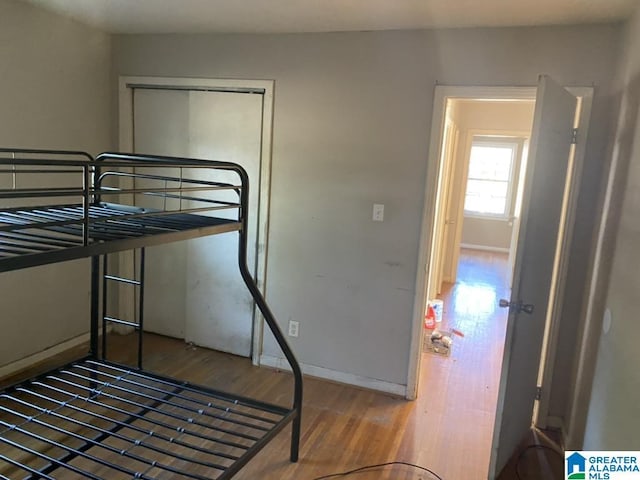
{"x":517,"y":307}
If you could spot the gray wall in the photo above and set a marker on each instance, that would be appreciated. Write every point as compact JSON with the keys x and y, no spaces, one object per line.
{"x":55,"y":93}
{"x":614,"y":411}
{"x":351,"y":123}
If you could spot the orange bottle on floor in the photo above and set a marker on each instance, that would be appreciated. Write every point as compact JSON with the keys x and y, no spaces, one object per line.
{"x":430,"y":318}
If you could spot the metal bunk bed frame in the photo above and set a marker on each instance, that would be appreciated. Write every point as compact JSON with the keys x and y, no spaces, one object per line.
{"x":83,"y":419}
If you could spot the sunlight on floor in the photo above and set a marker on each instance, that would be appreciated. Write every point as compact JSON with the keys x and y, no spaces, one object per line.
{"x":460,"y":390}
{"x":474,"y":299}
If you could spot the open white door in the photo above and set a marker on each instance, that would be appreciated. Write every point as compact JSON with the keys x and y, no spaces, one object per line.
{"x":544,"y":190}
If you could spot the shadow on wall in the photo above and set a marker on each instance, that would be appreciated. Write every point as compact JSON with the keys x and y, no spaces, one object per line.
{"x":617,"y":182}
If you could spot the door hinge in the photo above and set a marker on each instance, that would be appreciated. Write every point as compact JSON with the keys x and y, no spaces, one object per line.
{"x":538,"y":393}
{"x":574,"y":136}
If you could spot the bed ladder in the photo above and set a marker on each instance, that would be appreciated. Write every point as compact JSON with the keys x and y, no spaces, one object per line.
{"x":138,"y":285}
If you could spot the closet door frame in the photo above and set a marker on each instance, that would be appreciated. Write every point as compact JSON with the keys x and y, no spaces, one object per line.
{"x":126,"y":86}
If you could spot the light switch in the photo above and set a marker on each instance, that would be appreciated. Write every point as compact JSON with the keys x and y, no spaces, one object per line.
{"x":378,"y":212}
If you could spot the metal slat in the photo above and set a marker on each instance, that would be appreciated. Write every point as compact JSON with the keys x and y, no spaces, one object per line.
{"x":51,"y":460}
{"x":91,"y":441}
{"x":181,"y":418}
{"x":142,"y":418}
{"x":25,"y":248}
{"x":107,"y":223}
{"x":29,"y":469}
{"x":134,"y":442}
{"x":190,"y":409}
{"x":153,"y":399}
{"x":18,"y":249}
{"x":131,"y":426}
{"x":37,"y":238}
{"x":15,"y":222}
{"x":217,"y":226}
{"x":132,"y":373}
{"x":198,"y":389}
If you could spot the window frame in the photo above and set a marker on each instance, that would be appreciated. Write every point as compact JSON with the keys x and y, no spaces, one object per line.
{"x":515,"y":144}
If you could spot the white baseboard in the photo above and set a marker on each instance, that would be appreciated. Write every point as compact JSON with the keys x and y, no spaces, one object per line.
{"x":555,"y":423}
{"x":335,"y":376}
{"x":487,"y":248}
{"x":26,"y":362}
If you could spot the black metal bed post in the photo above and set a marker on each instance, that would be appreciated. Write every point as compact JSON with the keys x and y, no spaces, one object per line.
{"x":141,"y":306}
{"x":105,"y":302}
{"x":89,"y":182}
{"x":95,"y":305}
{"x":268,"y":315}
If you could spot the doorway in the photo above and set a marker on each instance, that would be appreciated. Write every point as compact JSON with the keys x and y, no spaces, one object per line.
{"x":551,"y":138}
{"x":203,"y":299}
{"x":479,"y":202}
{"x":482,"y":181}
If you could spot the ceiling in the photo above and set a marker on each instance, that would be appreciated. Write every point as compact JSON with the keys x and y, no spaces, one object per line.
{"x":289,"y":16}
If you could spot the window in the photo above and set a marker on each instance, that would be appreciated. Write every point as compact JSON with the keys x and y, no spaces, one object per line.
{"x":491,"y":174}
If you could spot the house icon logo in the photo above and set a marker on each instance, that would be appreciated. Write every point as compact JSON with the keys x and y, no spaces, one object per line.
{"x":576,"y":467}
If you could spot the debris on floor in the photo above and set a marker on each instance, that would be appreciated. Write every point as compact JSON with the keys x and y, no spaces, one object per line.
{"x":438,"y":342}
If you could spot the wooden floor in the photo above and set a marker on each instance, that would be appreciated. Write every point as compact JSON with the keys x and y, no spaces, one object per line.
{"x":462,"y":388}
{"x":448,"y":429}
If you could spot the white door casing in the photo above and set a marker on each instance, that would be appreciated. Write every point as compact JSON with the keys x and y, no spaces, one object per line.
{"x":426,"y":255}
{"x":447,"y":269}
{"x":543,"y":198}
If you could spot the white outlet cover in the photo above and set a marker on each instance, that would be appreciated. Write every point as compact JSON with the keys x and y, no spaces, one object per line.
{"x":378,"y":212}
{"x":294,"y":328}
{"x":606,"y":321}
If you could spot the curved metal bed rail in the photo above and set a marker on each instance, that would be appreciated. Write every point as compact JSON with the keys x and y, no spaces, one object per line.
{"x":53,"y":232}
{"x":244,"y":268}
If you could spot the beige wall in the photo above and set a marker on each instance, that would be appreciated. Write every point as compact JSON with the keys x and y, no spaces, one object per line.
{"x":614,"y":411}
{"x":351,"y":121}
{"x":55,"y":93}
{"x":488,"y":118}
{"x":489,"y":233}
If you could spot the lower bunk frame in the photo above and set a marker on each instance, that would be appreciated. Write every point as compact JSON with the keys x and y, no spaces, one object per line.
{"x":100,"y":420}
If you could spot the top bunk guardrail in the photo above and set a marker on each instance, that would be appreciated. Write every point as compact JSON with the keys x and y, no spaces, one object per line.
{"x":64,"y":205}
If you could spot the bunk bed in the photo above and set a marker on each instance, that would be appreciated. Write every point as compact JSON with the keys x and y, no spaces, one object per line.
{"x":95,"y":418}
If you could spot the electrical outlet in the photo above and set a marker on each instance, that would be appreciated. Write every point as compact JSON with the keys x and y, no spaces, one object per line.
{"x":378,"y":212}
{"x":294,"y":328}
